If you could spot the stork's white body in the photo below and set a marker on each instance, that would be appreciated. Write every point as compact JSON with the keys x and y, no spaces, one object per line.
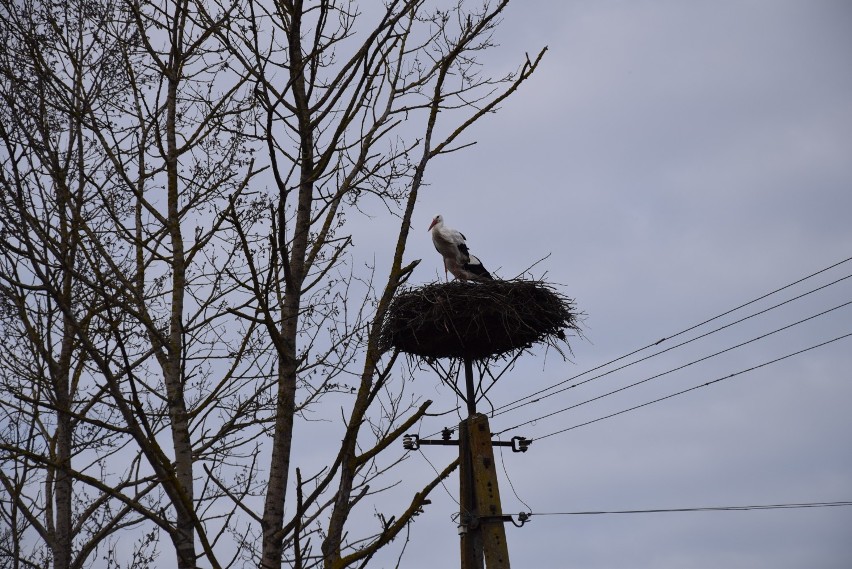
{"x":452,"y":246}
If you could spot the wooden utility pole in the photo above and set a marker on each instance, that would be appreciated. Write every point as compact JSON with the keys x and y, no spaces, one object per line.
{"x":487,"y":493}
{"x":481,"y":517}
{"x":471,"y":537}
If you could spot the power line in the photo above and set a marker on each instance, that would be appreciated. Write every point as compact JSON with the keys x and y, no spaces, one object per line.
{"x":509,"y":478}
{"x":517,"y":404}
{"x":514,"y":404}
{"x":447,"y":490}
{"x":689,"y":389}
{"x":700,"y":509}
{"x":680,"y":367}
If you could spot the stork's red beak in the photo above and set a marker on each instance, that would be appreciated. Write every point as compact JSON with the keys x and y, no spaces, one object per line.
{"x":431,"y":225}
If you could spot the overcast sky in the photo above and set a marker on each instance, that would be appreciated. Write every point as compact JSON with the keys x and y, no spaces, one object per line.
{"x":675,"y":159}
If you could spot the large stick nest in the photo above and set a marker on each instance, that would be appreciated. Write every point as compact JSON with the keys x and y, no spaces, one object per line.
{"x":485,"y":320}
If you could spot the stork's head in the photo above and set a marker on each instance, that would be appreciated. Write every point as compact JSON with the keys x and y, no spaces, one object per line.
{"x":438,"y":219}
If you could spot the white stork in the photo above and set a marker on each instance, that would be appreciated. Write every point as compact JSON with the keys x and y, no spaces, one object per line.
{"x":452,"y":246}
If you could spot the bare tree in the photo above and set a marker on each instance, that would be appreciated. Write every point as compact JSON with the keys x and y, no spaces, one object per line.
{"x":54,"y":426}
{"x":106,"y":163}
{"x":182,"y":285}
{"x":339,"y":131}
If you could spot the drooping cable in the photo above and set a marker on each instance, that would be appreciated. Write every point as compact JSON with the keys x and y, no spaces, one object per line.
{"x":447,"y":490}
{"x":509,"y":478}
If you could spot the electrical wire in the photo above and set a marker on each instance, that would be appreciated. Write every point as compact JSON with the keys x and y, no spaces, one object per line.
{"x":678,"y":368}
{"x":701,"y":509}
{"x":509,"y":478}
{"x":741,"y":372}
{"x":684,"y":331}
{"x":442,"y":480}
{"x":517,"y":403}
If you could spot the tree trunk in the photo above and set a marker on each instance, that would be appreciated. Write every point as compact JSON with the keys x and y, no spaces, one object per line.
{"x":172,"y":376}
{"x":294,"y":274}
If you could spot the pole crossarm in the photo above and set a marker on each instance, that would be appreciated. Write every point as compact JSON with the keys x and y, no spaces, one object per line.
{"x":414,"y":442}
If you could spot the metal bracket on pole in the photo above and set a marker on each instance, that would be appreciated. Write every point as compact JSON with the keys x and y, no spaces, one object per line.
{"x":523,"y":518}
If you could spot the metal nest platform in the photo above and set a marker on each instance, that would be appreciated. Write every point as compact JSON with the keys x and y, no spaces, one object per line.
{"x":478,"y":321}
